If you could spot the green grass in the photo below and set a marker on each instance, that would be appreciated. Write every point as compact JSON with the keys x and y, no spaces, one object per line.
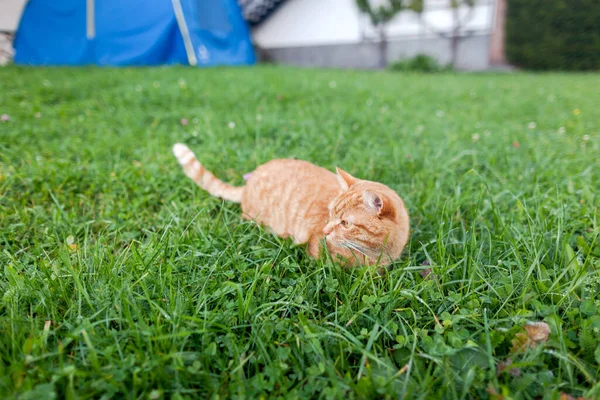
{"x":120,"y":278}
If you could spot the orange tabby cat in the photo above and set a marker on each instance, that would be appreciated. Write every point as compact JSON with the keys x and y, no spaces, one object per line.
{"x":363,"y":222}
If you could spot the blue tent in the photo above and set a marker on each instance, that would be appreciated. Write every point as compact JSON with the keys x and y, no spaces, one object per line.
{"x":133,"y":32}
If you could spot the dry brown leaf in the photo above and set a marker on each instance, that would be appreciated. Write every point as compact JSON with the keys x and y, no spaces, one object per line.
{"x":535,"y":334}
{"x":494,"y":393}
{"x":538,"y":331}
{"x":564,"y":396}
{"x":503,"y":365}
{"x":519,"y":342}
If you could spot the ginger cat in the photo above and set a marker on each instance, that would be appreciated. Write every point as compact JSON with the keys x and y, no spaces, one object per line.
{"x":362,"y":222}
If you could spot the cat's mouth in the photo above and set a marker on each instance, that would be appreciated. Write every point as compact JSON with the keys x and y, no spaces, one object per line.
{"x":354,"y":246}
{"x":357,"y":248}
{"x":360,"y":249}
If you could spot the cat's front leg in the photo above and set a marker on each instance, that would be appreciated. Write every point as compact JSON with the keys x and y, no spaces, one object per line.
{"x":314,"y":246}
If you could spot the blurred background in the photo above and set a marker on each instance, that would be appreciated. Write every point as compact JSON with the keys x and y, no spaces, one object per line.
{"x":471,"y":35}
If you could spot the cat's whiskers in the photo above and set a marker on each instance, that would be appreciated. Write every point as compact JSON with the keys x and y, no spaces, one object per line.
{"x":356,"y":247}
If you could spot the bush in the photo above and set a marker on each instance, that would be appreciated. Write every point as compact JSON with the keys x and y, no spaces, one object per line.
{"x":419,"y":63}
{"x":553,"y":34}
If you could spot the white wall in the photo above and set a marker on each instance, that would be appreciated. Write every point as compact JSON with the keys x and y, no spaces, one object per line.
{"x":10,"y":14}
{"x":327,"y":22}
{"x":309,"y":22}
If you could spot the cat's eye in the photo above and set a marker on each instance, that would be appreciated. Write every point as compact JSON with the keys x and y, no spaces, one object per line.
{"x":346,"y":224}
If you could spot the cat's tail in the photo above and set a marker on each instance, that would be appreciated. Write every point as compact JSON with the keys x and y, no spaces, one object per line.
{"x":204,"y":178}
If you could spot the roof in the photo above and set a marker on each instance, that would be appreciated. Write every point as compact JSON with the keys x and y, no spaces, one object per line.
{"x":256,"y":11}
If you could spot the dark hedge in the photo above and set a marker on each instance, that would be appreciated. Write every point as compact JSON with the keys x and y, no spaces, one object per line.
{"x":553,"y":34}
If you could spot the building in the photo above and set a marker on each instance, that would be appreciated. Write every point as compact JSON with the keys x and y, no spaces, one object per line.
{"x":10,"y":14}
{"x":334,"y":33}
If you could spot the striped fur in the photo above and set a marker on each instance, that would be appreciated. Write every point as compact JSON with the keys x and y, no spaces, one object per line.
{"x":203,"y":177}
{"x":359,"y":221}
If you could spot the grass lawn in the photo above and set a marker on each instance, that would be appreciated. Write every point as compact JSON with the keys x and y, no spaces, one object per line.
{"x":120,"y":278}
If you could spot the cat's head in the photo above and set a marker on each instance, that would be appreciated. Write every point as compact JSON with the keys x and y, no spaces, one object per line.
{"x":368,"y":218}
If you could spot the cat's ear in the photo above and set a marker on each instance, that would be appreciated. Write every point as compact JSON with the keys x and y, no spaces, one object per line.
{"x":345,"y":179}
{"x":378,"y":204}
{"x":373,"y":201}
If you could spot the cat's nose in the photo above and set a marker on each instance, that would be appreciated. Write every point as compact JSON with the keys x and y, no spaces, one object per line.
{"x":327,"y":230}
